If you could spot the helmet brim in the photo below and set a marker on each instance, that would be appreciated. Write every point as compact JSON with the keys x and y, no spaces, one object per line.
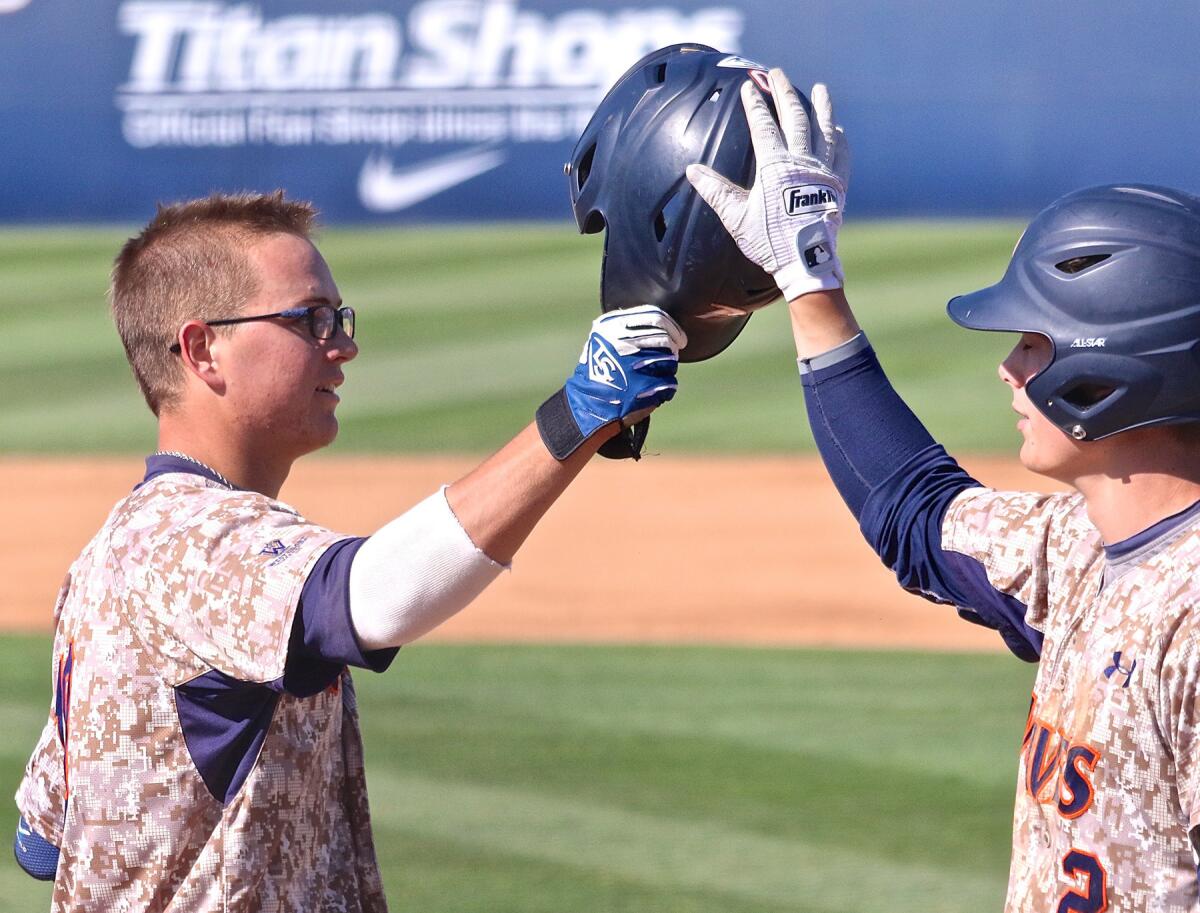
{"x":993,"y":308}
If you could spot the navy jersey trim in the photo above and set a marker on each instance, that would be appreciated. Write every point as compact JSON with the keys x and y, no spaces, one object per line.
{"x":36,"y":856}
{"x":224,"y":723}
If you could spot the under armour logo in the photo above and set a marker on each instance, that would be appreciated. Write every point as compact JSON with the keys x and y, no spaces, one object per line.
{"x":603,"y":365}
{"x":274,"y":547}
{"x":1117,"y":667}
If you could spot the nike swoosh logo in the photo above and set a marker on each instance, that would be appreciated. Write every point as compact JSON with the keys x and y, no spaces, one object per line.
{"x":384,"y":188}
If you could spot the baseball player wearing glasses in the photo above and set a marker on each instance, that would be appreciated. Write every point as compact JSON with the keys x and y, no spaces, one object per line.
{"x":1099,"y":586}
{"x":202,"y":751}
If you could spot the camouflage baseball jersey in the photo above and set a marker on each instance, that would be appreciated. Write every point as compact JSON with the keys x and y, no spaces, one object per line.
{"x":1109,"y":775}
{"x":203,"y":749}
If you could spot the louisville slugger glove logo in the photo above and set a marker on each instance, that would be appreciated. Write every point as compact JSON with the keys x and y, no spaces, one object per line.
{"x":603,"y":365}
{"x":809,"y":198}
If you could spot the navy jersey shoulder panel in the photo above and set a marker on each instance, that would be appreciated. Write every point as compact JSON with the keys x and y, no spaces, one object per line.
{"x":323,"y":641}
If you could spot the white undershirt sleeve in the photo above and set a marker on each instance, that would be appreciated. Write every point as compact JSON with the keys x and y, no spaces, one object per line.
{"x":414,"y":573}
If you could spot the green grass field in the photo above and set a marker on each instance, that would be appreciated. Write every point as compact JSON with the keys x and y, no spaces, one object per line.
{"x":673,"y":780}
{"x":464,"y":331}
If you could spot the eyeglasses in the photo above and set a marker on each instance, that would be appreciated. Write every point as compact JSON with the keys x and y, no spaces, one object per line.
{"x":323,"y":320}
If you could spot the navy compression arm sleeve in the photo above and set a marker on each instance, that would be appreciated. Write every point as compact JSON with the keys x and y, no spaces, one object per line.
{"x":862,"y":427}
{"x":898,"y":482}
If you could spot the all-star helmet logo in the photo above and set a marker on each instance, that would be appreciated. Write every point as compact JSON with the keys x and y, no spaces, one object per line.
{"x":603,"y":365}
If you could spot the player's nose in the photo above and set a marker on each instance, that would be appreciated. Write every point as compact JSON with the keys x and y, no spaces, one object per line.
{"x":341,"y":347}
{"x":1010,"y":370}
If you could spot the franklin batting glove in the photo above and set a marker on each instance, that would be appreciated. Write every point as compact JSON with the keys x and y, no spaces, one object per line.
{"x":787,"y":222}
{"x":627,"y":368}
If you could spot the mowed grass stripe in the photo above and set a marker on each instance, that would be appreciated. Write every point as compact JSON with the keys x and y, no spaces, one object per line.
{"x":464,"y":330}
{"x":859,"y":707}
{"x":669,"y":853}
{"x":502,"y":882}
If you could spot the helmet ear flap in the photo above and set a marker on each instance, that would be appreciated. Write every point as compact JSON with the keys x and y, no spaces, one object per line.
{"x":1089,"y":395}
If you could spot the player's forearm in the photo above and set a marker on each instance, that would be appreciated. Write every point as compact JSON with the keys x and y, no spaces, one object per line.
{"x":821,"y":321}
{"x":499,"y":502}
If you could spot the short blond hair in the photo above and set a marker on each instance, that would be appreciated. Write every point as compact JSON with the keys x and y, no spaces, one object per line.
{"x":189,"y":263}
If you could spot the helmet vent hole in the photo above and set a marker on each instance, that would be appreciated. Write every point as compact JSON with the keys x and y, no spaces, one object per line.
{"x":594,"y":223}
{"x":1088,"y":394}
{"x":585,"y":166}
{"x":716,"y":96}
{"x":1079,"y":264}
{"x":660,"y":73}
{"x":660,"y":227}
{"x":668,"y":215}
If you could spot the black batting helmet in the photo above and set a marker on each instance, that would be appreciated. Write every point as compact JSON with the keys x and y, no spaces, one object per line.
{"x":663,"y":245}
{"x":1111,"y":276}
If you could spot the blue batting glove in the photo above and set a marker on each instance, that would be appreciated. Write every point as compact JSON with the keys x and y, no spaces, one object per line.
{"x":626,"y":370}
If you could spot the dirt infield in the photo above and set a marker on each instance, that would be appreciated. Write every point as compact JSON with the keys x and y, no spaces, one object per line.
{"x":756,"y":551}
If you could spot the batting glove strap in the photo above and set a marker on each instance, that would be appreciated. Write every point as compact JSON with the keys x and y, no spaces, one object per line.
{"x":816,"y":267}
{"x":557,"y":426}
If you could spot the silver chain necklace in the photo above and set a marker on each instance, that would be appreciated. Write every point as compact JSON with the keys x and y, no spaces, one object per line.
{"x":183,"y":456}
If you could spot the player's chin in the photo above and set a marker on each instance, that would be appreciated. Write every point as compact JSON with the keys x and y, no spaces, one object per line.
{"x":328,"y":430}
{"x":1047,"y":462}
{"x":321,"y":431}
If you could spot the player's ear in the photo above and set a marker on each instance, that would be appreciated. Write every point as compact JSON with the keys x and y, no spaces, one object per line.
{"x":198,"y":353}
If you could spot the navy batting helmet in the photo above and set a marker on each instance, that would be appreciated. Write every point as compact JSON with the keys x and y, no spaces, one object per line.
{"x":1111,"y":275}
{"x":663,"y":245}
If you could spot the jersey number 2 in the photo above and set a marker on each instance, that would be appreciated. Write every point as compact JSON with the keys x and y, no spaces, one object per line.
{"x":1094,"y":897}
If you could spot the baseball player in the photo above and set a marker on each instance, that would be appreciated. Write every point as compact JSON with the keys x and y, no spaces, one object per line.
{"x":203,"y":750}
{"x":1099,"y":585}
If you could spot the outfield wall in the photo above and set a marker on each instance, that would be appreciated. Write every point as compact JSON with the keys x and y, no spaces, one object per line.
{"x":466,"y":109}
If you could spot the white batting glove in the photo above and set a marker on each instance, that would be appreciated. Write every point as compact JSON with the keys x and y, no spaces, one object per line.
{"x":787,"y":222}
